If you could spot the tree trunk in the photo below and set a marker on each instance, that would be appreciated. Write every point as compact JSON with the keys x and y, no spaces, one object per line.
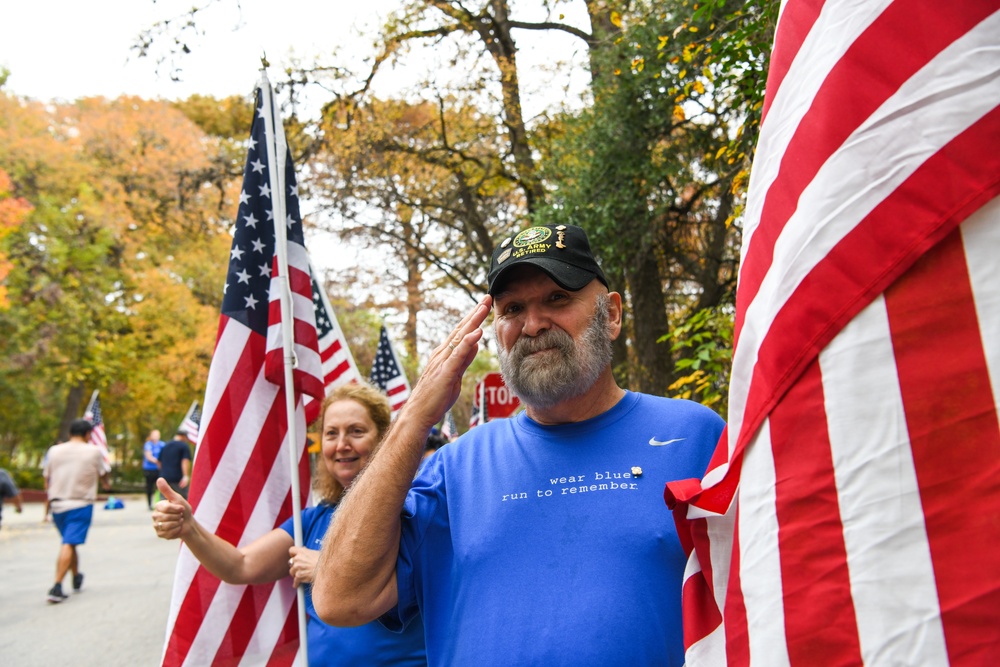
{"x":714,"y":282}
{"x":496,"y":36}
{"x":603,"y":32}
{"x":654,"y":368}
{"x":414,"y":300}
{"x":74,"y":401}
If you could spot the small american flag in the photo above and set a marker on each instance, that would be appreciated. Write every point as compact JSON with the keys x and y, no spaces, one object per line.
{"x":449,"y":429}
{"x":338,"y":362}
{"x":387,"y":373}
{"x":98,"y":436}
{"x":241,"y":482}
{"x":192,"y":422}
{"x":849,"y":516}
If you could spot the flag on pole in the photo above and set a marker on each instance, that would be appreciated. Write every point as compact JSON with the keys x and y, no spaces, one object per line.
{"x":338,"y":362}
{"x":449,"y":429}
{"x":849,"y":514}
{"x":241,"y":482}
{"x":387,"y":373}
{"x":192,"y":422}
{"x":97,"y":435}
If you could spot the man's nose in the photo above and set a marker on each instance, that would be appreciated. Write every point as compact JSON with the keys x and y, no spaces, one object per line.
{"x":536,"y":321}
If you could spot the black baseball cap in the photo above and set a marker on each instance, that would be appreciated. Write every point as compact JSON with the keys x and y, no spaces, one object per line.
{"x":561,"y":251}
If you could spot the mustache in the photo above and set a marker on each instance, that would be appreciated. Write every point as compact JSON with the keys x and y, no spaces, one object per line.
{"x":547,"y":339}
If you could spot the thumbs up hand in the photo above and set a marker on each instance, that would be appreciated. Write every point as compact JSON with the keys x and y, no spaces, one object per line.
{"x":172,"y":515}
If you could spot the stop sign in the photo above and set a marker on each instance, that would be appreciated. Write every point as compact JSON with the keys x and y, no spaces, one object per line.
{"x":499,"y":399}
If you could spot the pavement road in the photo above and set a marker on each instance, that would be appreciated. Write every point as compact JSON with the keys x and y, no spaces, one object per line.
{"x":119,"y":617}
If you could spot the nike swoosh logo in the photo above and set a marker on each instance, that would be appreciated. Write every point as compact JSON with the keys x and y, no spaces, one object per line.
{"x":659,"y":443}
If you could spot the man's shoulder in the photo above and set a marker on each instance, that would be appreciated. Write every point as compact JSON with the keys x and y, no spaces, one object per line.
{"x":61,"y":448}
{"x":679,"y":406}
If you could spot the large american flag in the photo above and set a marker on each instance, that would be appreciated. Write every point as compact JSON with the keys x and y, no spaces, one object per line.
{"x":97,"y":436}
{"x":387,"y":373}
{"x":850,"y":515}
{"x":241,"y":482}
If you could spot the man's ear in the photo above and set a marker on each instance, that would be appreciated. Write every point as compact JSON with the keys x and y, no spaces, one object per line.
{"x":615,"y":314}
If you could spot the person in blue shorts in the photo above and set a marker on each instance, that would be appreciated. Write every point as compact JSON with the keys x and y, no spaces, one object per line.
{"x":354,"y":419}
{"x":541,"y":539}
{"x":72,"y":471}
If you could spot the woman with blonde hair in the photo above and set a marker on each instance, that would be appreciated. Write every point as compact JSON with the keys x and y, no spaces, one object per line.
{"x":354,"y":419}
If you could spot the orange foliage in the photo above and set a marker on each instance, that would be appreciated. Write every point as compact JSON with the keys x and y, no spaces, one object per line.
{"x":13,"y":210}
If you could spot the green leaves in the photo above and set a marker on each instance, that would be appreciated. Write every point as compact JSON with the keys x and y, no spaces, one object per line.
{"x":704,"y":345}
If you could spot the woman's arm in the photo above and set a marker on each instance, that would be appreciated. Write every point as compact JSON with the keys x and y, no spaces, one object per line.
{"x":262,"y":561}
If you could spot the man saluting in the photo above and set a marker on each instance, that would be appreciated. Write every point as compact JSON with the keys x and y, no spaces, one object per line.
{"x":537,"y":540}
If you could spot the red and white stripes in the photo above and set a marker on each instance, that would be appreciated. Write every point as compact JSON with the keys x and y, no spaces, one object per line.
{"x":240,"y":491}
{"x":863,"y":435}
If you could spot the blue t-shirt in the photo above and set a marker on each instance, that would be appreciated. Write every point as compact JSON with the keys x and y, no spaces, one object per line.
{"x":363,"y":646}
{"x":154,"y":449}
{"x":526,"y":544}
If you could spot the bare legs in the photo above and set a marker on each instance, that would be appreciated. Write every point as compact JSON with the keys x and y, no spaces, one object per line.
{"x":67,"y":562}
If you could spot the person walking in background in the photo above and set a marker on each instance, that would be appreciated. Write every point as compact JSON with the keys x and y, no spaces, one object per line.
{"x":175,"y":463}
{"x":151,"y":464}
{"x":72,"y":471}
{"x":8,"y":490}
{"x":354,"y":419}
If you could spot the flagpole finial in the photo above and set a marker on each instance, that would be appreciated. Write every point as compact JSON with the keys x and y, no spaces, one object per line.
{"x":263,"y":60}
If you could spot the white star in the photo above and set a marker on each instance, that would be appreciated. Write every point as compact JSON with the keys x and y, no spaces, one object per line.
{"x":250,"y":220}
{"x":244,"y":276}
{"x":265,"y":190}
{"x":293,"y":190}
{"x":251,"y":302}
{"x":289,"y":221}
{"x":236,"y":253}
{"x":265,"y":270}
{"x":270,"y":215}
{"x":258,"y":166}
{"x":260,"y":111}
{"x":253,"y":143}
{"x":244,"y":197}
{"x":258,"y":246}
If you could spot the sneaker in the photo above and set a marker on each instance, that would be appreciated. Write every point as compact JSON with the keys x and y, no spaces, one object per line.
{"x":77,"y":582}
{"x":56,"y":595}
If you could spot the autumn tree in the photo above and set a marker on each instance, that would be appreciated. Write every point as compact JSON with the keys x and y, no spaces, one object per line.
{"x":654,"y":166}
{"x":116,"y":271}
{"x":424,"y":181}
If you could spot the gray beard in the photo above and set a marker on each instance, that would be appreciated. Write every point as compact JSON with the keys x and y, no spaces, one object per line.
{"x":544,"y":383}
